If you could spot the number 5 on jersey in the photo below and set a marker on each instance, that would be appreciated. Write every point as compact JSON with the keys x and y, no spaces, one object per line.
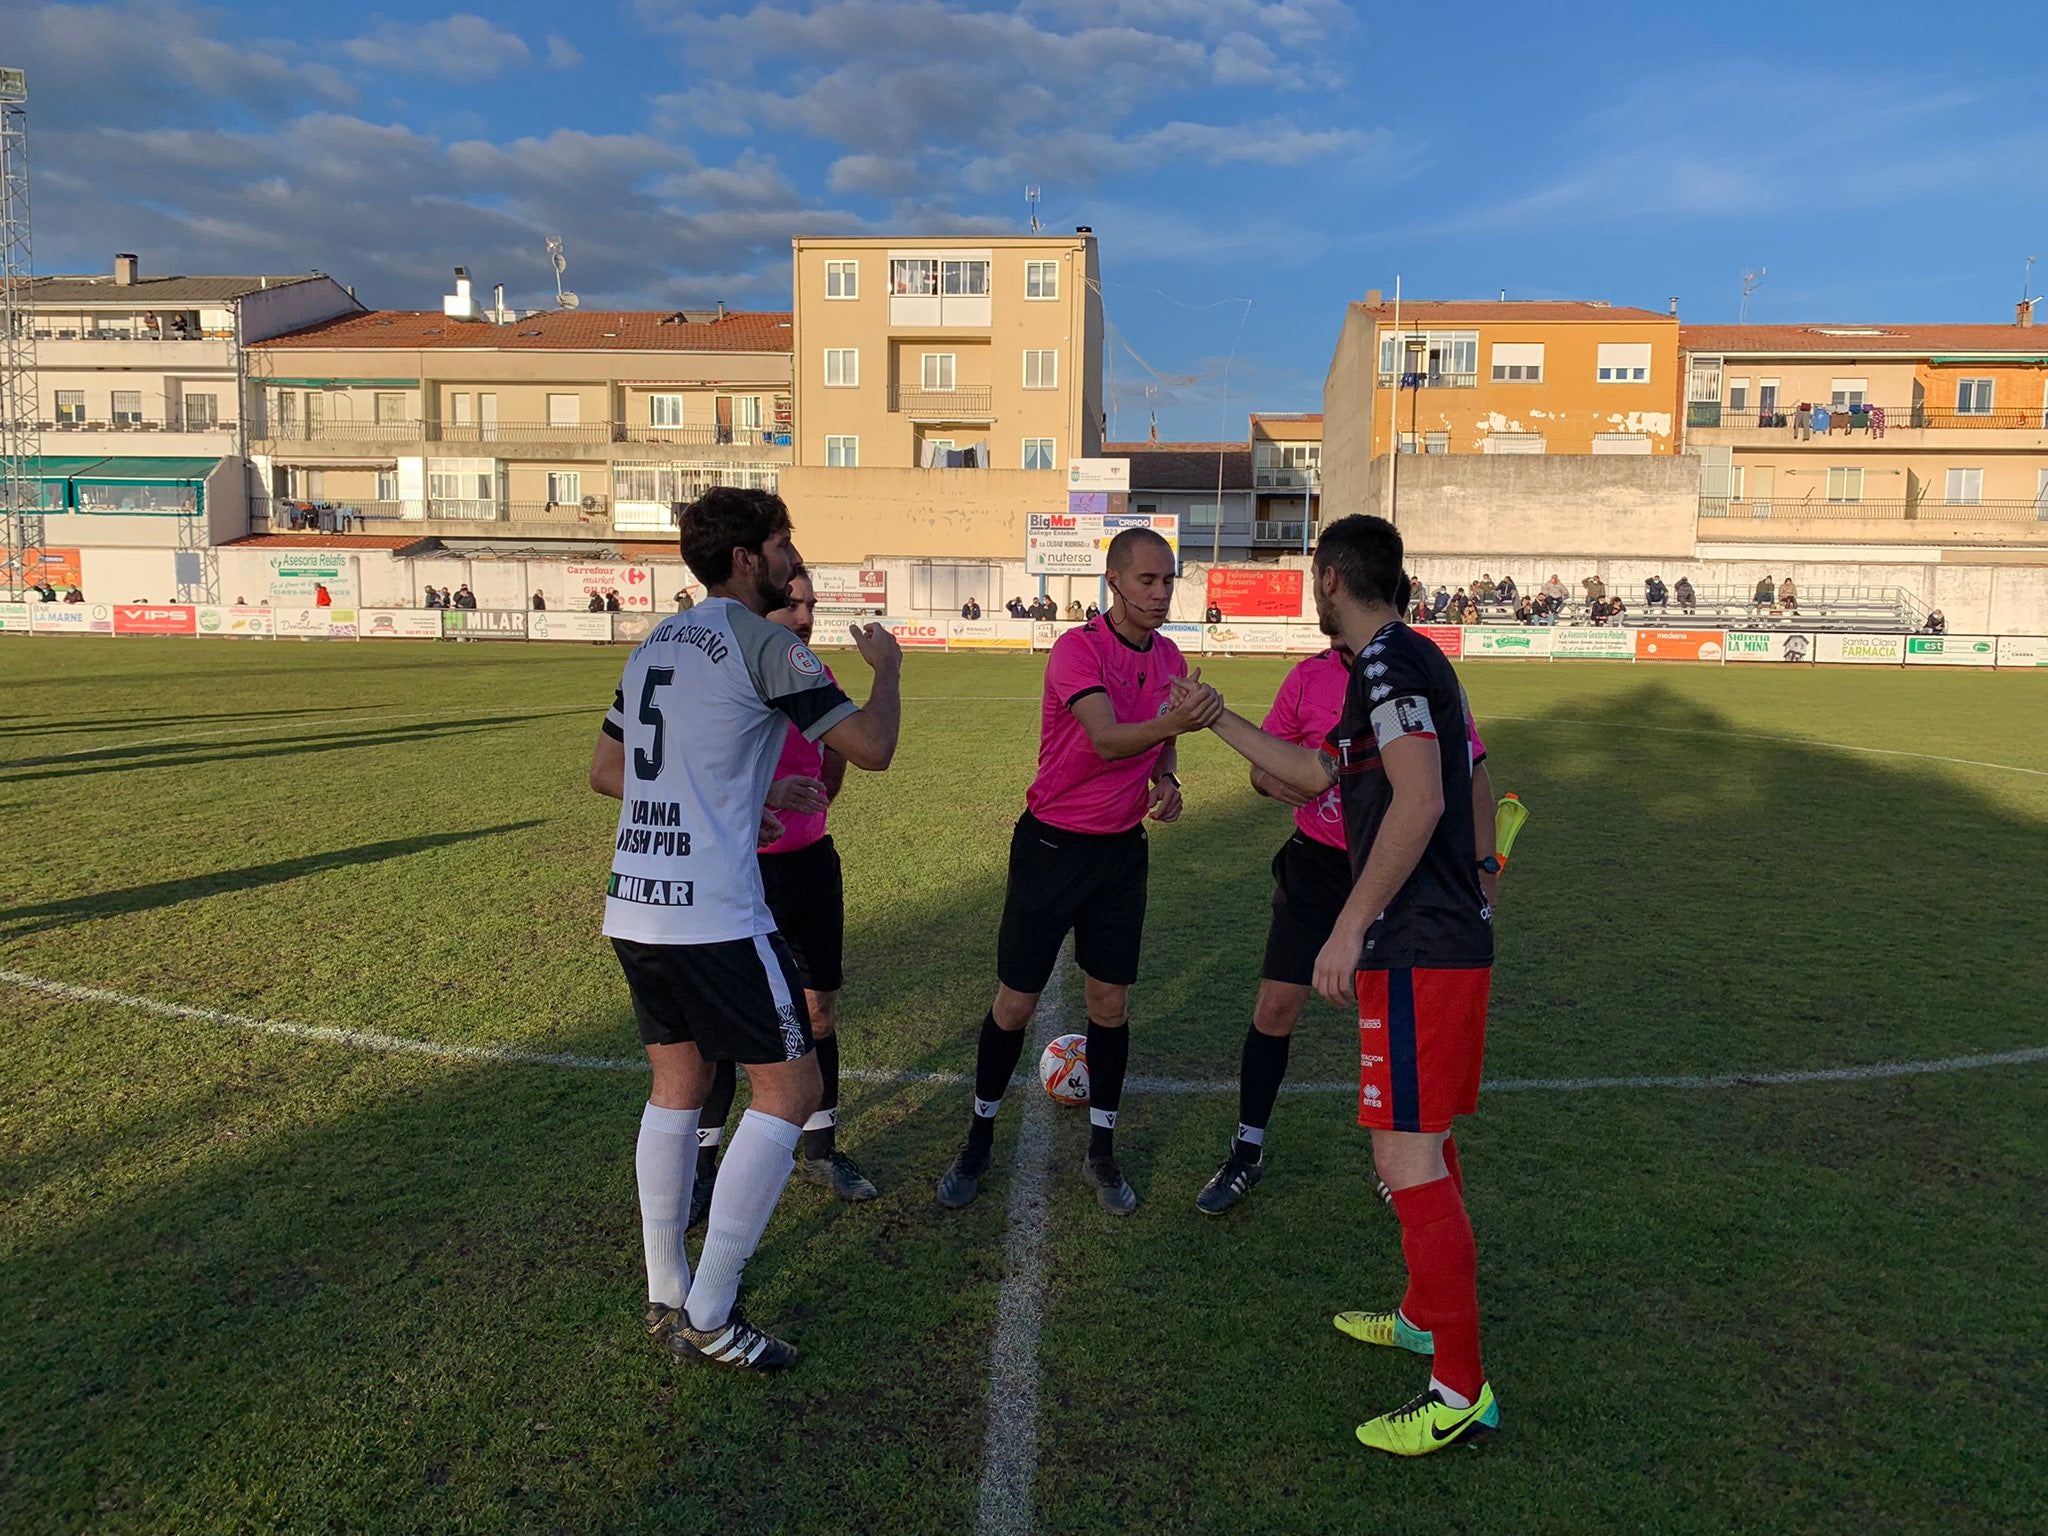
{"x":647,"y":765}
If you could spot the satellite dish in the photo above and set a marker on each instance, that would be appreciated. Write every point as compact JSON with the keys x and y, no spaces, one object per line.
{"x":570,"y":301}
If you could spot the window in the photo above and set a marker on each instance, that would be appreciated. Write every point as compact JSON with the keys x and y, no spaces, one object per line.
{"x":965,"y":279}
{"x":1846,"y":392}
{"x":1965,"y":487}
{"x":842,"y":367}
{"x":1041,"y":279}
{"x":565,"y":487}
{"x":1738,"y":394}
{"x":1766,"y":395}
{"x":1624,"y":362}
{"x":316,"y":411}
{"x":202,"y":413}
{"x":1973,"y":397}
{"x":664,"y":410}
{"x":1517,"y":362}
{"x":1515,"y":442}
{"x":1442,"y":359}
{"x":842,"y":452}
{"x":1845,"y":485}
{"x":287,"y":413}
{"x":465,"y":487}
{"x":462,"y":410}
{"x":913,"y":277}
{"x":316,"y":485}
{"x":71,"y":406}
{"x":1203,"y":514}
{"x":565,"y":410}
{"x":1041,"y":370}
{"x":1038,"y":453}
{"x":387,"y":485}
{"x":939,"y":370}
{"x":842,"y":279}
{"x":1621,"y":442}
{"x":746,"y":412}
{"x":1436,"y":442}
{"x":389,"y":408}
{"x":127,"y":407}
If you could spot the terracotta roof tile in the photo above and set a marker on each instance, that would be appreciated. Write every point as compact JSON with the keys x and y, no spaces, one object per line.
{"x":1512,"y":311}
{"x":1185,"y":466}
{"x":1916,"y":339}
{"x":580,"y":330}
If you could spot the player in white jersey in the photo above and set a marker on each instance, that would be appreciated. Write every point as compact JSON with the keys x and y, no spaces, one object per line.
{"x":689,"y":749}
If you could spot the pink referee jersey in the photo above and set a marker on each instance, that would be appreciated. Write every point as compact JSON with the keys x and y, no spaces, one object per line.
{"x":805,"y":759}
{"x":1076,"y":790}
{"x":1305,"y":711}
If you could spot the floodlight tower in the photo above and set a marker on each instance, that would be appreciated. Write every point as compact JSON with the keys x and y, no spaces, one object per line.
{"x":21,"y":449}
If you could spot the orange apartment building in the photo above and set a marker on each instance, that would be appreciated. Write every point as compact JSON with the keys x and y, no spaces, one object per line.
{"x":1900,"y":433}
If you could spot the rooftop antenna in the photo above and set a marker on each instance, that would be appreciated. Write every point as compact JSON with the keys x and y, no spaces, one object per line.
{"x":1031,"y":198}
{"x":1750,"y":280}
{"x":560,"y":263}
{"x":2027,"y":280}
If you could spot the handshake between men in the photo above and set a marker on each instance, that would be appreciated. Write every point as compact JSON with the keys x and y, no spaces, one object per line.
{"x":1193,"y":704}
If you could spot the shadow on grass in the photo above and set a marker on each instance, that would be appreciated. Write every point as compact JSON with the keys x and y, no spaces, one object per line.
{"x":54,"y":726}
{"x":403,"y":1296}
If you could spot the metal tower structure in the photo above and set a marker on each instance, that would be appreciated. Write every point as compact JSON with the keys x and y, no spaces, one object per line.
{"x":21,"y":447}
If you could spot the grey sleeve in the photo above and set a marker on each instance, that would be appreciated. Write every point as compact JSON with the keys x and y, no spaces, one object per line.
{"x":787,"y":675}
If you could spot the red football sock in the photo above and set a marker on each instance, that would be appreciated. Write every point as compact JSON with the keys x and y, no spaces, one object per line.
{"x":1451,"y":1162}
{"x":1443,"y":1279}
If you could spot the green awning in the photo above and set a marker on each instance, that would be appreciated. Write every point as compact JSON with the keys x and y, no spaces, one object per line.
{"x":57,"y":467}
{"x":145,"y":471}
{"x":343,"y":383}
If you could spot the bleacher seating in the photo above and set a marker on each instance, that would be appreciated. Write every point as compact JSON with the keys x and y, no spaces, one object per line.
{"x":1834,"y":609}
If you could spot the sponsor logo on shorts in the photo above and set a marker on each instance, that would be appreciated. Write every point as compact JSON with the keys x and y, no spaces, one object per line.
{"x":1371,"y":1095}
{"x":1371,"y":1061}
{"x":1372,"y":1024}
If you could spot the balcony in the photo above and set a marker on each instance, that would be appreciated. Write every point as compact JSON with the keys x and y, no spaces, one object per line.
{"x":1925,"y":521}
{"x":273,"y":433}
{"x":577,"y":440}
{"x":1926,"y":426}
{"x":1284,"y":477}
{"x":1295,"y":534}
{"x":1430,"y":380}
{"x":132,"y":425}
{"x":141,"y":352}
{"x":970,"y":404}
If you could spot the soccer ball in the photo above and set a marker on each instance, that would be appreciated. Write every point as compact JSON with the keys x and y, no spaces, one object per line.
{"x":1064,"y":1069}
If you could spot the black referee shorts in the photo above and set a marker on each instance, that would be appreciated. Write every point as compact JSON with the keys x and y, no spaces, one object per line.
{"x":1089,"y":884}
{"x":740,"y":1000}
{"x":1311,"y":883}
{"x":807,"y":893}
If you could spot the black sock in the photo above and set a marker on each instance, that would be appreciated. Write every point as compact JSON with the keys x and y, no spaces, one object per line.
{"x":1260,"y":1067}
{"x":725,"y":1081}
{"x":1109,"y":1053}
{"x":994,"y":1060}
{"x":820,"y":1143}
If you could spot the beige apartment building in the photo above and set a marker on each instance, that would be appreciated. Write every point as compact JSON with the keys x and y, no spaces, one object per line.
{"x":1911,"y":434}
{"x":980,"y":353}
{"x":476,"y":424}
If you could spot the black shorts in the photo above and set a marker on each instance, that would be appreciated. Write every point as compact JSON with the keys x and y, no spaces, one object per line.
{"x":1311,"y":883}
{"x":1089,"y":884}
{"x":807,"y":894}
{"x":740,"y":1000}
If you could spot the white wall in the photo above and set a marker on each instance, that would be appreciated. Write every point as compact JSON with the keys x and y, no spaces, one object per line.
{"x":273,"y":311}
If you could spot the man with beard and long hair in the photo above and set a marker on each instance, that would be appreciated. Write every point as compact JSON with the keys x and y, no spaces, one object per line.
{"x":1078,"y":857}
{"x":806,"y":891}
{"x":689,"y":749}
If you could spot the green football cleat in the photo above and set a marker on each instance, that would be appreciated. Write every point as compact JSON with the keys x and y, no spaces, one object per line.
{"x":1425,"y":1424}
{"x":1389,"y":1330}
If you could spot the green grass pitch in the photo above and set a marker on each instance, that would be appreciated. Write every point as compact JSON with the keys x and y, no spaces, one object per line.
{"x":253,"y":1283}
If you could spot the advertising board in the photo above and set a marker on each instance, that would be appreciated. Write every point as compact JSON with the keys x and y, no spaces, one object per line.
{"x":1523,"y":640}
{"x":487,"y":623}
{"x":234,"y":622}
{"x":315,"y":623}
{"x":1448,"y":638}
{"x":1098,"y":474}
{"x":296,"y":579}
{"x":1077,"y":544}
{"x":150,"y":619}
{"x":587,"y":627}
{"x":922,"y":634}
{"x":14,"y":618}
{"x":1187,"y":636}
{"x":1244,"y":639}
{"x":400,"y":623}
{"x":61,"y":568}
{"x":1267,"y":594}
{"x":1860,"y":650}
{"x":2013,"y":650}
{"x":633,"y":583}
{"x":1593,"y":644}
{"x":1767,"y":645}
{"x":71,"y":619}
{"x":1951,"y":650}
{"x":847,"y":587}
{"x":1303,"y":639}
{"x":1677,"y":644}
{"x":990,"y":634}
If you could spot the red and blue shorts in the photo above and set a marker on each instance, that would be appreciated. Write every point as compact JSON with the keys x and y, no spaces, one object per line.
{"x":1421,"y":1041}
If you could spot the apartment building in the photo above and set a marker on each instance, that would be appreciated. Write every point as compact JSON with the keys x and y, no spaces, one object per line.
{"x":1496,"y":377}
{"x":477,"y":424}
{"x":964,"y":353}
{"x":1287,"y":473}
{"x":1235,"y":500}
{"x":139,"y":399}
{"x":1908,"y":433}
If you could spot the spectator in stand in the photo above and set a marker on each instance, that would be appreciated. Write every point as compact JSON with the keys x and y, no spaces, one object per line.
{"x":1788,"y":596}
{"x":1525,"y":612}
{"x":970,"y":609}
{"x":1683,"y":591}
{"x":448,"y":599}
{"x":1212,"y":614}
{"x":685,"y":602}
{"x":1016,"y":607}
{"x":464,"y":598}
{"x":1655,"y":593}
{"x":1616,"y":611}
{"x":611,"y":601}
{"x":1439,"y":604}
{"x":322,"y":598}
{"x":72,"y":594}
{"x":1462,"y":607}
{"x":595,"y":605}
{"x":433,"y":597}
{"x":1764,"y":595}
{"x":1074,"y":614}
{"x":1595,"y":590}
{"x":1554,"y":594}
{"x":1484,"y":589}
{"x":1092,"y":613}
{"x":44,"y":592}
{"x":1507,"y":592}
{"x":1935,"y":625}
{"x":540,"y":602}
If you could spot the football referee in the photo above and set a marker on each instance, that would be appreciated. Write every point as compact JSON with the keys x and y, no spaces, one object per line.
{"x":1078,"y":856}
{"x":689,"y":749}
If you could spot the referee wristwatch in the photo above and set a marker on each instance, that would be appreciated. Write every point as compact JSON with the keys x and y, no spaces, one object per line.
{"x":1490,"y":865}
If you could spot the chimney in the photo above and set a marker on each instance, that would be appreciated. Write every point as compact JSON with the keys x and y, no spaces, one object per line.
{"x":1373,"y":297}
{"x":125,"y":269}
{"x":1084,"y":229}
{"x":2026,"y":312}
{"x":498,"y":303}
{"x":1674,"y":306}
{"x":721,"y":309}
{"x":459,"y":305}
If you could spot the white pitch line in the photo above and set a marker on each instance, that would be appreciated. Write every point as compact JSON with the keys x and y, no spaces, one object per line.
{"x":1009,"y":1451}
{"x":507,"y":1056}
{"x":1789,"y":741}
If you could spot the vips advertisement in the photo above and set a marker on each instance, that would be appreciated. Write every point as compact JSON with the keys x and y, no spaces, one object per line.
{"x":1678,"y":644}
{"x":144,"y":619}
{"x":1255,"y":594}
{"x":1767,"y":645}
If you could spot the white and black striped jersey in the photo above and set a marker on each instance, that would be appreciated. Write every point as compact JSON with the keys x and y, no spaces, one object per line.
{"x":702,"y":712}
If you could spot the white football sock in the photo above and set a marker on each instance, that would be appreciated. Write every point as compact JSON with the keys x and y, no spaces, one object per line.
{"x":750,"y":1181}
{"x":666,"y":1165}
{"x":1451,"y":1399}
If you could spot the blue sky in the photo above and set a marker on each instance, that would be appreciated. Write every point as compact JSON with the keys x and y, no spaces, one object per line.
{"x":1884,"y":162}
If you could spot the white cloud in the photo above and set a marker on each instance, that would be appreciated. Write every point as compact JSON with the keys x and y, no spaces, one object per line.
{"x":463,"y":46}
{"x":563,"y":54}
